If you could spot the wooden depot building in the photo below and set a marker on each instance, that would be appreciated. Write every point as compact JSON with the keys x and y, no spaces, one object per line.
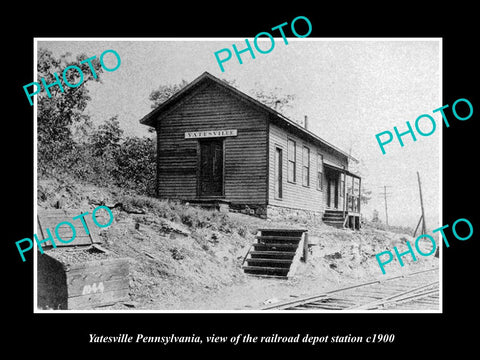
{"x":217,"y":145}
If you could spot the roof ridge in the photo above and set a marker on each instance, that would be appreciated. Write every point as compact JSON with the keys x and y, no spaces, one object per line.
{"x":146,"y":120}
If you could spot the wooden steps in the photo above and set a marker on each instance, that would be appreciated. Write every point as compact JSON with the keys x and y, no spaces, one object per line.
{"x":275,"y":246}
{"x":276,"y":253}
{"x":272,"y":254}
{"x":266,"y":271}
{"x":334,"y":218}
{"x":337,"y":219}
{"x":289,"y":239}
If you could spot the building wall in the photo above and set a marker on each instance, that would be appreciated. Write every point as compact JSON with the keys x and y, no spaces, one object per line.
{"x":296,"y":195}
{"x":245,"y":156}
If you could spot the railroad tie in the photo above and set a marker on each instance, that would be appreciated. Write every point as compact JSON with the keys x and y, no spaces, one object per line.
{"x":409,"y":291}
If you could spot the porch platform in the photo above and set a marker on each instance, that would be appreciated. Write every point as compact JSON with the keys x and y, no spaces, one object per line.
{"x":341,"y":219}
{"x":219,"y":204}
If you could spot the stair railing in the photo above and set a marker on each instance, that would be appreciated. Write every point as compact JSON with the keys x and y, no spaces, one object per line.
{"x":249,"y":249}
{"x":301,"y":253}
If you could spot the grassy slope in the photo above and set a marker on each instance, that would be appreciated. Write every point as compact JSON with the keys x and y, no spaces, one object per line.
{"x":178,"y":253}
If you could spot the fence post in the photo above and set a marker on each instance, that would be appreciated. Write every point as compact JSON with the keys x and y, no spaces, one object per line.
{"x":305,"y":246}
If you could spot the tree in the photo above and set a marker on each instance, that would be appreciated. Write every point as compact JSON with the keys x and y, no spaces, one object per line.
{"x":136,"y":164}
{"x":57,"y":115}
{"x":274,"y":99}
{"x":165,"y":92}
{"x":365,"y":196}
{"x":68,"y":141}
{"x":107,"y":136}
{"x":361,"y":169}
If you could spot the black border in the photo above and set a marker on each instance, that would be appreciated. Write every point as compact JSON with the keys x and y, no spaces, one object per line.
{"x":415,"y":333}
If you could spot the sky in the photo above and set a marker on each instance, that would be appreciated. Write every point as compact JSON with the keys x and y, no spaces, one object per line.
{"x":350,"y":89}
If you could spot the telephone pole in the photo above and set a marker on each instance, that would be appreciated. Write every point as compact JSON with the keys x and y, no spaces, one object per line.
{"x":422,"y":217}
{"x":386,"y":208}
{"x":385,"y":197}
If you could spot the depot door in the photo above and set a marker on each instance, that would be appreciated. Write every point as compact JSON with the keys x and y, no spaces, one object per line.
{"x":332,"y":192}
{"x":210,"y":174}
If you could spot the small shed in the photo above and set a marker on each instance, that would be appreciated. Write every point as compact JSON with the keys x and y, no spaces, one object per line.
{"x":79,"y":275}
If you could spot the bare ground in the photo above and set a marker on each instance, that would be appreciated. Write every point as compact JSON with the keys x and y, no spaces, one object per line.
{"x":184,"y":258}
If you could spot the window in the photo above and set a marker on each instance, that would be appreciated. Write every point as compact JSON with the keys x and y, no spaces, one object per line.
{"x":278,"y":173}
{"x":306,"y":166}
{"x":320,"y":172}
{"x":291,"y":168}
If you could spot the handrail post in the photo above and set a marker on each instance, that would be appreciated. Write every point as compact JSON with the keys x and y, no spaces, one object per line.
{"x":259,"y":233}
{"x":305,"y":246}
{"x":344,"y":192}
{"x":359,"y":193}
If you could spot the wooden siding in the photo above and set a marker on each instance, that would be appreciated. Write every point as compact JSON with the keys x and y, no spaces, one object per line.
{"x":245,"y":155}
{"x":296,"y":195}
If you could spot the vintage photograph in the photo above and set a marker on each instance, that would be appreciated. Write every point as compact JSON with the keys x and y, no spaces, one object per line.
{"x":305,"y":179}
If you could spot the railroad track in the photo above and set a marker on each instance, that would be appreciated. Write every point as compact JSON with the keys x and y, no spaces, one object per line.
{"x":414,"y":291}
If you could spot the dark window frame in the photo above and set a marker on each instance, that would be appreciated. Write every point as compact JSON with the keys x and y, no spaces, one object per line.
{"x":292,"y":164}
{"x":280,"y":195}
{"x":306,"y":168}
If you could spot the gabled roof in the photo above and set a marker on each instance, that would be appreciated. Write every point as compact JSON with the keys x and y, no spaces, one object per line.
{"x":151,"y":117}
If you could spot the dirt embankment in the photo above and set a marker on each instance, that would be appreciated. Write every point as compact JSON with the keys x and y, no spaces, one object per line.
{"x":183,"y":257}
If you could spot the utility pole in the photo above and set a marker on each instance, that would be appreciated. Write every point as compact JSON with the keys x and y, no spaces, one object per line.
{"x":385,"y":197}
{"x":422,"y":218}
{"x":386,"y":208}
